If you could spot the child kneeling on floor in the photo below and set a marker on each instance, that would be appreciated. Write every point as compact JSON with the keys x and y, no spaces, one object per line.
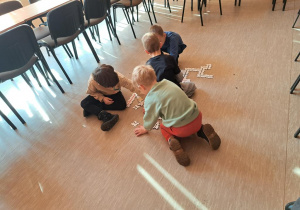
{"x":104,"y":89}
{"x":180,"y":115}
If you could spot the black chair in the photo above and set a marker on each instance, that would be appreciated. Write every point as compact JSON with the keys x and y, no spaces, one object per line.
{"x":129,"y":5}
{"x":297,"y":133}
{"x":19,"y":52}
{"x":65,"y":24}
{"x":295,"y":84}
{"x":95,"y":12}
{"x":274,"y":2}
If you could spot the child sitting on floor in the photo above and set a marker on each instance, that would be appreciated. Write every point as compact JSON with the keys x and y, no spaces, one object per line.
{"x":165,"y":66}
{"x":171,"y":41}
{"x":180,"y":115}
{"x":104,"y":89}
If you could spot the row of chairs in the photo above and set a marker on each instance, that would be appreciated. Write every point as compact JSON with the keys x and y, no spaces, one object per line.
{"x":63,"y":26}
{"x":20,"y":47}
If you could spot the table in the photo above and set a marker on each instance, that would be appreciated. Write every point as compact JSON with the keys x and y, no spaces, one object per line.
{"x":27,"y":13}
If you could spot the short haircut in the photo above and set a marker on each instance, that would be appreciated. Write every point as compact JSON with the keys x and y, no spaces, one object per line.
{"x":106,"y":76}
{"x":143,"y":75}
{"x":151,"y":42}
{"x":157,"y":29}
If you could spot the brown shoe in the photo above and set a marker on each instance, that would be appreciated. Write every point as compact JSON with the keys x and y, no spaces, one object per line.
{"x":181,"y":157}
{"x":208,"y":133}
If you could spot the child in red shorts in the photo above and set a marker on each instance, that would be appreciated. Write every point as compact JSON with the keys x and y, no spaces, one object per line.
{"x":180,"y":115}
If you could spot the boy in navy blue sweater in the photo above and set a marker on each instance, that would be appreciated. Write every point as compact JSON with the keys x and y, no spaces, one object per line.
{"x":171,"y":41}
{"x":165,"y":66}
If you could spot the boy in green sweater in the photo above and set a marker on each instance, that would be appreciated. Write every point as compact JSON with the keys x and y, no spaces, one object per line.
{"x":180,"y":115}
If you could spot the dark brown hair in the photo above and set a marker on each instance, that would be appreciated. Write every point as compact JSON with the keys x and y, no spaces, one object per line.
{"x":106,"y":76}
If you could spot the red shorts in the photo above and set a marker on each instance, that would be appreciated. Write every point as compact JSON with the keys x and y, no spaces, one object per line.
{"x":184,"y":131}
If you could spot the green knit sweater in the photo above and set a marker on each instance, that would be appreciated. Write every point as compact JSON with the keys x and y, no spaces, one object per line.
{"x":168,"y":101}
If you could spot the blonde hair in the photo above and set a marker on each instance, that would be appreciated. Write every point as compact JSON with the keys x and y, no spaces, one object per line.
{"x":143,"y":75}
{"x":157,"y":29}
{"x":151,"y":42}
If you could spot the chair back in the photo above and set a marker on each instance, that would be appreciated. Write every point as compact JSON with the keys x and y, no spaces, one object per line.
{"x":9,"y":6}
{"x":65,"y":20}
{"x":96,"y":8}
{"x":18,"y":45}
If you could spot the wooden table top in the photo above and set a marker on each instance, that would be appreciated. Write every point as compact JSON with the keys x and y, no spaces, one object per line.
{"x":20,"y":16}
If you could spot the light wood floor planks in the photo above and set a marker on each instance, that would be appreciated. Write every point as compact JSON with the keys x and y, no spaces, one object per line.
{"x":60,"y":160}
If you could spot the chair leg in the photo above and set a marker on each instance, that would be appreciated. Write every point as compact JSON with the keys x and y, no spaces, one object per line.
{"x":91,"y":46}
{"x":61,"y":67}
{"x":295,"y":84}
{"x":183,"y":11}
{"x":273,"y":2}
{"x":92,"y":33}
{"x":235,"y":2}
{"x":35,"y":76}
{"x":240,"y":2}
{"x":151,"y":2}
{"x":47,"y":49}
{"x":200,"y":11}
{"x":297,"y":133}
{"x":98,"y":34}
{"x":109,"y":21}
{"x":147,"y":9}
{"x":7,"y":120}
{"x":12,"y":108}
{"x":75,"y":50}
{"x":25,"y":77}
{"x":67,"y":51}
{"x":220,"y":5}
{"x":108,"y":29}
{"x":126,"y":14}
{"x":297,"y":56}
{"x":42,"y":72}
{"x":284,"y":3}
{"x":296,"y":20}
{"x":168,"y":3}
{"x":47,"y":69}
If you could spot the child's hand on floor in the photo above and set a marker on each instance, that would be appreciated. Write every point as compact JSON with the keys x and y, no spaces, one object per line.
{"x":140,"y":130}
{"x":107,"y":100}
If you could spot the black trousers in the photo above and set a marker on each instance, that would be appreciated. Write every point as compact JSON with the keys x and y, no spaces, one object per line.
{"x":93,"y":106}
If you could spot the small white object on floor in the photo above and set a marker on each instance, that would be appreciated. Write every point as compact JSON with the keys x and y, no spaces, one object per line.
{"x":136,"y":107}
{"x":135,"y":123}
{"x":156,"y":126}
{"x":131,"y":99}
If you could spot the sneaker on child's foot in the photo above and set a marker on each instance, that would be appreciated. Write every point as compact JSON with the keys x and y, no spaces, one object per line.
{"x":181,"y":157}
{"x":208,"y":133}
{"x":86,"y":113}
{"x":109,"y":120}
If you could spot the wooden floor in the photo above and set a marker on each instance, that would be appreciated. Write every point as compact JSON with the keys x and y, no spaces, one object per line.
{"x":61,"y":160}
